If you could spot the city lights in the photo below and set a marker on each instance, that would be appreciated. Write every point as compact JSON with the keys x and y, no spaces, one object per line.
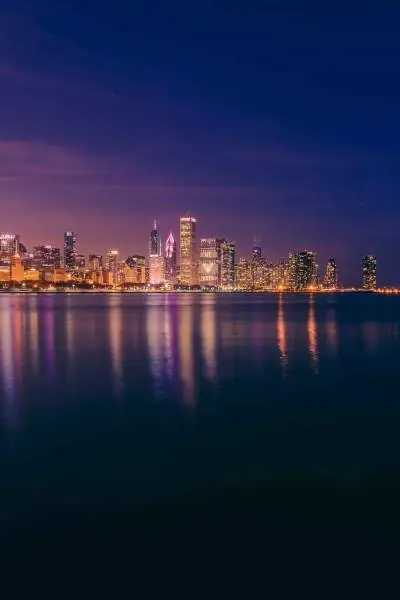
{"x":208,"y":265}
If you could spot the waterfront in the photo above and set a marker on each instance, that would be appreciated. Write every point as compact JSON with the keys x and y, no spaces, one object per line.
{"x":114,"y":399}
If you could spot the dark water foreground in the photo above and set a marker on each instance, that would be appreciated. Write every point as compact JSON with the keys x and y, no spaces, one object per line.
{"x":201,"y":435}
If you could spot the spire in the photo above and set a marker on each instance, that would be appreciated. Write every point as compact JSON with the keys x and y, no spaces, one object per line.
{"x":155,"y":225}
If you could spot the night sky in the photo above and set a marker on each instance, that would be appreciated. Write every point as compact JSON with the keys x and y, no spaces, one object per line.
{"x":277,"y":120}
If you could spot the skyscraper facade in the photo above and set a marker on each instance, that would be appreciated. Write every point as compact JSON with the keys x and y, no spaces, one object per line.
{"x":138,"y":264}
{"x":95,"y":263}
{"x":155,"y":241}
{"x":369,"y":273}
{"x":304,"y":270}
{"x":188,"y":252}
{"x":210,"y":262}
{"x":112,"y":262}
{"x":170,"y":259}
{"x":256,"y":252}
{"x":9,"y":245}
{"x":227,"y":278}
{"x":156,"y":260}
{"x":69,"y":250}
{"x":45,"y":258}
{"x":331,"y":278}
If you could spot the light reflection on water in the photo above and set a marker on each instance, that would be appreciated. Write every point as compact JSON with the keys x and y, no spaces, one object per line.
{"x":173,"y":345}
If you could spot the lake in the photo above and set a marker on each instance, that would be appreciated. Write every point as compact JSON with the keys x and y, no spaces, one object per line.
{"x":197,"y":404}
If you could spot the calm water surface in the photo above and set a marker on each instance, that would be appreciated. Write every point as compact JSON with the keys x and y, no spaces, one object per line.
{"x":137,"y":397}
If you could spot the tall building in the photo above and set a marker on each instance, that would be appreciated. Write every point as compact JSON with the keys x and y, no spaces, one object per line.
{"x":17,"y":269}
{"x":243,"y":277}
{"x":156,"y":260}
{"x":170,"y":259}
{"x":256,"y":252}
{"x":45,"y":258}
{"x":331,"y":278}
{"x":369,"y":273}
{"x":304,"y":270}
{"x":188,"y":252}
{"x":69,"y":250}
{"x":227,"y":278}
{"x":155,"y":241}
{"x":9,"y":245}
{"x":156,"y":270}
{"x":138,"y":264}
{"x":112,"y":263}
{"x":95,"y":263}
{"x":210,"y":262}
{"x":80,"y":262}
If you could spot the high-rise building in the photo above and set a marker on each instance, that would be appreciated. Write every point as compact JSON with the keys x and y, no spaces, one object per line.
{"x":188,"y":252}
{"x":331,"y":278}
{"x":112,"y":263}
{"x":243,"y":274}
{"x":256,"y":252}
{"x":45,"y":258}
{"x":156,"y":270}
{"x":227,"y":278}
{"x":80,"y":262}
{"x":9,"y":245}
{"x":210,"y":262}
{"x":170,"y":259}
{"x":155,"y":241}
{"x":95,"y":263}
{"x":138,"y":264}
{"x":17,"y":268}
{"x":304,"y":270}
{"x":369,"y":273}
{"x":69,"y":250}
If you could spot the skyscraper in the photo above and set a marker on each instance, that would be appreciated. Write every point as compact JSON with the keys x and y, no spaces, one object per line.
{"x":170,"y":259}
{"x":112,"y":263}
{"x":256,"y":252}
{"x":95,"y":263}
{"x":138,"y":263}
{"x":45,"y":258}
{"x":210,"y":262}
{"x":227,"y":280}
{"x":369,"y":273}
{"x":155,"y":241}
{"x":156,"y":260}
{"x":331,"y":279}
{"x":9,"y":245}
{"x":304,"y":270}
{"x":69,"y":250}
{"x":188,"y":251}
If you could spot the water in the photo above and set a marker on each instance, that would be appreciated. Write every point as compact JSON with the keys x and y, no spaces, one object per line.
{"x":234,"y":401}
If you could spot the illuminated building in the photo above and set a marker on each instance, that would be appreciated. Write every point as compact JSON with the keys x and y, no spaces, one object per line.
{"x":170,"y":259}
{"x":243,"y":275}
{"x":95,"y":262}
{"x":69,"y":250}
{"x":303,"y":270}
{"x":157,"y":270}
{"x":155,"y":241}
{"x":59,"y":276}
{"x":188,"y":252}
{"x":138,"y":264}
{"x":227,"y":280}
{"x":9,"y":245}
{"x":31,"y":274}
{"x":331,"y":279}
{"x":112,"y":262}
{"x":210,"y":262}
{"x":45,"y":258}
{"x":256,"y":253}
{"x":80,"y":262}
{"x":280,"y":275}
{"x":5,"y":273}
{"x":369,"y":273}
{"x":17,"y":269}
{"x":108,"y":278}
{"x":156,"y":260}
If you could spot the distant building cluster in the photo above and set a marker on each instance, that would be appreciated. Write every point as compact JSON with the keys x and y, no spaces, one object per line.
{"x":202,"y":263}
